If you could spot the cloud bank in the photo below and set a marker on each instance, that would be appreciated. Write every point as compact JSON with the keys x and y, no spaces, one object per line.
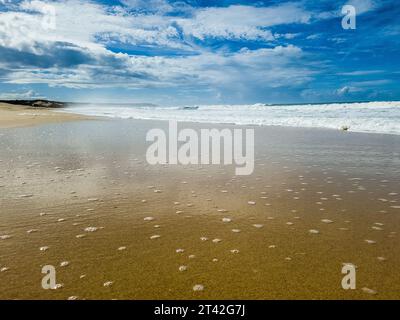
{"x":175,"y":46}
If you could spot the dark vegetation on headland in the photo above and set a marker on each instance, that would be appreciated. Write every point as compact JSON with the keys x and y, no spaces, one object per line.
{"x":42,"y":103}
{"x":36,"y":103}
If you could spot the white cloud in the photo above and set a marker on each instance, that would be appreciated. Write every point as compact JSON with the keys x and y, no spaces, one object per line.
{"x":83,"y":24}
{"x":371,"y":83}
{"x":347,"y":90}
{"x":360,"y":72}
{"x":242,"y":22}
{"x":363,"y":6}
{"x":149,"y":5}
{"x":314,"y":36}
{"x":272,"y":67}
{"x":93,"y":26}
{"x":20,"y":95}
{"x":75,"y":54}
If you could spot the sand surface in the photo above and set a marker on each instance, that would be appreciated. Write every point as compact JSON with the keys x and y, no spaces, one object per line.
{"x":22,"y":116}
{"x":84,"y":193}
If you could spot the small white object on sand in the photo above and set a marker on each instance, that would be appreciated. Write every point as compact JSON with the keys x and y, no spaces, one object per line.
{"x":182,"y":268}
{"x":216,"y":240}
{"x":26,"y":196}
{"x":148,"y":219}
{"x":156,"y":236}
{"x":64,"y":264}
{"x":91,"y":229}
{"x":313,"y":231}
{"x":368,"y":290}
{"x":108,"y":284}
{"x":226,"y":219}
{"x":326,"y":221}
{"x":44,"y":248}
{"x":198,"y":287}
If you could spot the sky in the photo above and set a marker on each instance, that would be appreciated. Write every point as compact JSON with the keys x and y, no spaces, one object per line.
{"x":186,"y":52}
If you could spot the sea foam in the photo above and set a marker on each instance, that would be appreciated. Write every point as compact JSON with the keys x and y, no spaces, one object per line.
{"x":378,"y":117}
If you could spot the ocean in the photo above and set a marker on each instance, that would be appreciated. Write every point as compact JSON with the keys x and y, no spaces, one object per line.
{"x":374,"y":117}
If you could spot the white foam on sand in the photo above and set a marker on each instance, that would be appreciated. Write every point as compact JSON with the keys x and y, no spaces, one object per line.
{"x":378,"y":117}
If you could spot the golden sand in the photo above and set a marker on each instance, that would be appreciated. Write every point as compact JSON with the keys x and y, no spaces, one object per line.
{"x":22,"y":116}
{"x":84,"y":201}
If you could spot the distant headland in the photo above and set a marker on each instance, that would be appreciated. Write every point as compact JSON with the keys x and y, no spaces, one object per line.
{"x":40,"y":103}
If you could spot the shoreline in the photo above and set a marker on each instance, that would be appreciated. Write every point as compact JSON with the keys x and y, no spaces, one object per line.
{"x":14,"y":116}
{"x":239,"y":124}
{"x":362,"y":117}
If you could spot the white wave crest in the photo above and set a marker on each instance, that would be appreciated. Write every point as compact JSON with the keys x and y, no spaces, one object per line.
{"x":378,"y":117}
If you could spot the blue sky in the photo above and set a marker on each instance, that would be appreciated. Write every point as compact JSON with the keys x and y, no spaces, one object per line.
{"x":199,"y":52}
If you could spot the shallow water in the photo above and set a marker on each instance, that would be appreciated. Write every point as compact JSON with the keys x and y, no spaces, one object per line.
{"x":85,"y":191}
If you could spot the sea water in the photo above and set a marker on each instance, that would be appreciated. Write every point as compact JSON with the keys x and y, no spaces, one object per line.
{"x":378,"y":117}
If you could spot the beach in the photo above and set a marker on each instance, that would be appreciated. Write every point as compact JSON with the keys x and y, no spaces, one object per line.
{"x":80,"y":195}
{"x":20,"y":116}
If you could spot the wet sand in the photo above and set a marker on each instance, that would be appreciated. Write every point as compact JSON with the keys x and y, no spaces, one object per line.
{"x":84,"y":193}
{"x":12,"y":116}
